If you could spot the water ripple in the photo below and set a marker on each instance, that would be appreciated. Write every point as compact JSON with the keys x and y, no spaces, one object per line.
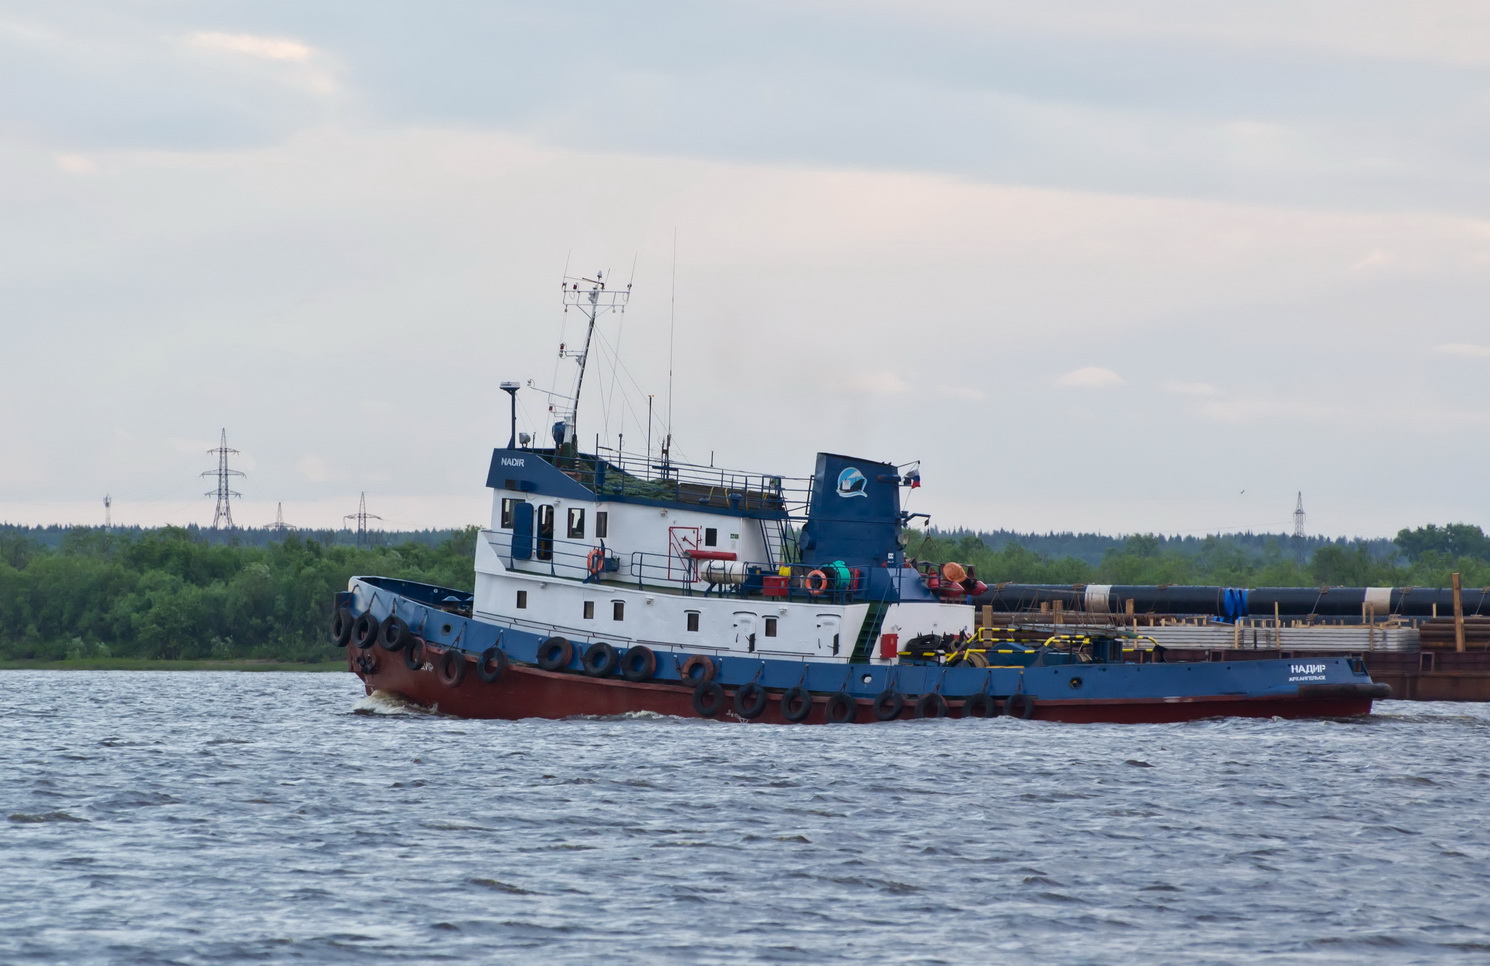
{"x":197,"y":817}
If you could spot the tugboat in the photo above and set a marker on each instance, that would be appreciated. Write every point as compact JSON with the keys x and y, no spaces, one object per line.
{"x":612,"y":584}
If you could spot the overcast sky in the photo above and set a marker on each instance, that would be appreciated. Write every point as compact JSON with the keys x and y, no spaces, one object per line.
{"x":1115,"y":265}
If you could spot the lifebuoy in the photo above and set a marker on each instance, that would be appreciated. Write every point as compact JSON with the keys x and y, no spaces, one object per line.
{"x":931,"y":705}
{"x":796,"y":703}
{"x":595,"y":562}
{"x":750,"y":701}
{"x":1025,"y":708}
{"x":698,"y":669}
{"x":365,"y":631}
{"x":638,"y":663}
{"x":394,"y":633}
{"x":452,"y":667}
{"x":841,"y":708}
{"x":599,"y":660}
{"x":816,"y":583}
{"x":414,"y":655}
{"x":341,"y":627}
{"x":555,"y":654}
{"x":980,"y":705}
{"x":492,"y":665}
{"x":888,"y":705}
{"x":708,"y":699}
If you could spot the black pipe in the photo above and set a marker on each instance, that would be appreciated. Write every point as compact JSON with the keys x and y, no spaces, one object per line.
{"x":1230,"y":603}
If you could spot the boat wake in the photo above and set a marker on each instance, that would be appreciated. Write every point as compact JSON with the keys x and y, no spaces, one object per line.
{"x":386,"y":702}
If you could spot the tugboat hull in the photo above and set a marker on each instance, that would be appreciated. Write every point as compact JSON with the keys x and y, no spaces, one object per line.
{"x":473,"y":668}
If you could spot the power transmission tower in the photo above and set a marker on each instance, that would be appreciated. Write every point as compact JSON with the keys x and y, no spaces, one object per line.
{"x":362,"y":516}
{"x":279,"y":519}
{"x":222,"y":517}
{"x":108,"y":513}
{"x":1298,"y":518}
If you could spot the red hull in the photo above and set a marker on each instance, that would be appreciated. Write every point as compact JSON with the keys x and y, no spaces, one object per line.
{"x":527,"y":692}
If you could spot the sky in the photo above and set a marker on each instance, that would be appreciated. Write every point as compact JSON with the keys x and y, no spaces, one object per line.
{"x":1107,"y":265}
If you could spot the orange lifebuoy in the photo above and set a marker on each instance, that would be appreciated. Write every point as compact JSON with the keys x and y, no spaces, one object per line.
{"x":595,"y":562}
{"x":815,"y":583}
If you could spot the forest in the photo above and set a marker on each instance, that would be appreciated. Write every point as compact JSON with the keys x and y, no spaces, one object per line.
{"x":178,"y":594}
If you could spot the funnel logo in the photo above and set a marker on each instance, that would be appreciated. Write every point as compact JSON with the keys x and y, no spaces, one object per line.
{"x":852,"y":483}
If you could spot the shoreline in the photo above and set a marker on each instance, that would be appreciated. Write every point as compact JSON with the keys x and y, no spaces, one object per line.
{"x":157,"y":664}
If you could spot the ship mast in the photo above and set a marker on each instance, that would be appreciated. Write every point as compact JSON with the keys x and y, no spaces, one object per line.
{"x":592,"y":300}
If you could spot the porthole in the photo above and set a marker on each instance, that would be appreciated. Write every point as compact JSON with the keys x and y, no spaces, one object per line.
{"x":446,"y":629}
{"x":1075,"y":683}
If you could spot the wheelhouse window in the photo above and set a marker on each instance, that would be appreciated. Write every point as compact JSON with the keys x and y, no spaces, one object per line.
{"x":602,"y":524}
{"x":693,"y":620}
{"x":522,"y":600}
{"x":770,"y":627}
{"x":576,"y":523}
{"x":589,"y":610}
{"x":618,"y":610}
{"x":509,"y":507}
{"x":711,"y":537}
{"x":545,"y":532}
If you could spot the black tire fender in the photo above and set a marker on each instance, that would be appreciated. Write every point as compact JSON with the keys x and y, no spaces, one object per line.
{"x":980,"y":706}
{"x":750,"y":701}
{"x":887,"y":705}
{"x":341,"y":626}
{"x":492,"y":664}
{"x":555,"y":654}
{"x":708,"y":699}
{"x":394,"y":634}
{"x":599,"y":660}
{"x":796,"y":704}
{"x":365,"y":630}
{"x":452,"y":667}
{"x":638,"y":663}
{"x":931,"y":705}
{"x":1020,"y":705}
{"x":841,"y":708}
{"x":414,"y":655}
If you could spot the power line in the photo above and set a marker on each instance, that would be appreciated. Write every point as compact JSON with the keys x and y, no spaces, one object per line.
{"x":222,"y":517}
{"x":362,"y":516}
{"x":279,"y":519}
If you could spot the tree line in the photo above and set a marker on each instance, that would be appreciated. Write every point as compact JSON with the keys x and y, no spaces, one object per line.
{"x":1424,"y":556}
{"x":174,"y":593}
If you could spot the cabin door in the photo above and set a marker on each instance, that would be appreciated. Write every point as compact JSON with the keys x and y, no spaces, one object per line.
{"x":827,"y":633}
{"x":744,"y":631}
{"x":522,"y":531}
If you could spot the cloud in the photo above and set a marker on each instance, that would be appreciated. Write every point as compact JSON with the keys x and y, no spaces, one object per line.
{"x":1091,"y":377}
{"x":269,"y":48}
{"x":75,"y":164}
{"x":961,"y":392}
{"x":1192,"y":388}
{"x":1463,"y":349}
{"x":313,"y":468}
{"x":1376,"y":258}
{"x":875,"y":383}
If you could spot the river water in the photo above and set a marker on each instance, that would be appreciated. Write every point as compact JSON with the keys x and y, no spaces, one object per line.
{"x":203,"y":817}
